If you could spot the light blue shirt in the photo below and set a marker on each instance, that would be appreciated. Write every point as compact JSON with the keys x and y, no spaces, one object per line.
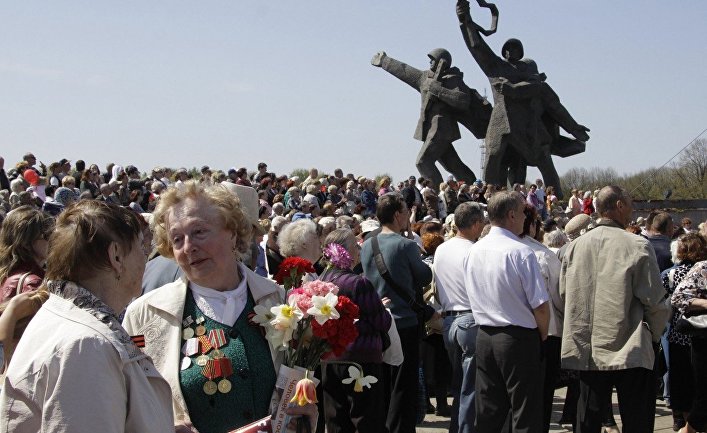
{"x":503,"y":281}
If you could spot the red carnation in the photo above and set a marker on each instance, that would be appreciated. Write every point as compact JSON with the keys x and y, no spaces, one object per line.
{"x":291,"y":271}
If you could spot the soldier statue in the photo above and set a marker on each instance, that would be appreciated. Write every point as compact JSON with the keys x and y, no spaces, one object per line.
{"x":527,"y":113}
{"x":446,"y":100}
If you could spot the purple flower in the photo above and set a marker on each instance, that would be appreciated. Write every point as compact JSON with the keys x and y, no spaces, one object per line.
{"x":338,"y":256}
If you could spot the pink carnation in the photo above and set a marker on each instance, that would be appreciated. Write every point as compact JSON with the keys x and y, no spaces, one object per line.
{"x":301,"y":298}
{"x":320,"y":288}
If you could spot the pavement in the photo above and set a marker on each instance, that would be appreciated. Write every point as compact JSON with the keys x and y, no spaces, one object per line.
{"x":663,"y":418}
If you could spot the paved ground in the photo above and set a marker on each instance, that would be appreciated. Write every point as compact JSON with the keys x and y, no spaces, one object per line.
{"x":663,"y":418}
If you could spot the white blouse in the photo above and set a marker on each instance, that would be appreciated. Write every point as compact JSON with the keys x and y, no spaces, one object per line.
{"x":223,"y":307}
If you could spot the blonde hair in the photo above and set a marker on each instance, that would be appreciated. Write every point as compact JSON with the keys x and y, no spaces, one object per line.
{"x":226,"y":203}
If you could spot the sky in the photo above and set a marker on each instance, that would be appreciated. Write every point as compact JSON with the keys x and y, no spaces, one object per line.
{"x":236,"y":82}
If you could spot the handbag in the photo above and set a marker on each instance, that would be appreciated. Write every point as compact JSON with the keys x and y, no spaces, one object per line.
{"x":694,"y":324}
{"x":21,"y":283}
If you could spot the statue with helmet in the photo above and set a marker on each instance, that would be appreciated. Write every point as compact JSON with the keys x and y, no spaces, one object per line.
{"x":524,"y":128}
{"x":446,"y":101}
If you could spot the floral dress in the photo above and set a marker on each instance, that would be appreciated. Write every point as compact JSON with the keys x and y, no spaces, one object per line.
{"x":671,"y":278}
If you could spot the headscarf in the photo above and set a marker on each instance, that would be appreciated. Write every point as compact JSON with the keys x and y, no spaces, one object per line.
{"x":63,"y":195}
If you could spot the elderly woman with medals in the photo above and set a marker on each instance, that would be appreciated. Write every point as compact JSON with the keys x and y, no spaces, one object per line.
{"x":198,"y":329}
{"x":76,"y":369}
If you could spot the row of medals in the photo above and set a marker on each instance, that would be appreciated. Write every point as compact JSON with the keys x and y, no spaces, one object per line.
{"x":210,"y":387}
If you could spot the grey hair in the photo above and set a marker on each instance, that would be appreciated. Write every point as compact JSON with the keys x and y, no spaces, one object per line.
{"x":345,"y":221}
{"x":555,"y":239}
{"x":467,"y":214}
{"x":311,"y":189}
{"x":501,"y":203}
{"x":294,"y":237}
{"x":16,"y":185}
{"x":342,"y":236}
{"x":278,"y":208}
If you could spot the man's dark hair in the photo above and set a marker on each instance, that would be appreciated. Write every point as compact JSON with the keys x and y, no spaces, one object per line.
{"x":80,"y":165}
{"x":467,"y":214}
{"x":662,"y":223}
{"x":388,"y":204}
{"x":501,"y":203}
{"x":609,"y":196}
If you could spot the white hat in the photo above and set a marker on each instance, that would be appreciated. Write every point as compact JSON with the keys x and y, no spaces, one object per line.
{"x":248,"y":199}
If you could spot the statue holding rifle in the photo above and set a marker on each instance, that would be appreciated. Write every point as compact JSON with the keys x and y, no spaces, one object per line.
{"x":446,"y":100}
{"x":527,"y":113}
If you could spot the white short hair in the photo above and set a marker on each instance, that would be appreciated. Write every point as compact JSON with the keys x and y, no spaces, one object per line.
{"x":295,"y":237}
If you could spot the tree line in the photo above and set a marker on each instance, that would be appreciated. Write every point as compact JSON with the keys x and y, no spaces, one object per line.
{"x":685,"y":178}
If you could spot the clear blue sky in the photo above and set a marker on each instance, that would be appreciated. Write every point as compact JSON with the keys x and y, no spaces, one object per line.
{"x":235,"y":82}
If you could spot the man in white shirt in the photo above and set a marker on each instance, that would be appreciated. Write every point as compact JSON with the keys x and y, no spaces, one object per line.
{"x":459,"y":326}
{"x":507,"y":294}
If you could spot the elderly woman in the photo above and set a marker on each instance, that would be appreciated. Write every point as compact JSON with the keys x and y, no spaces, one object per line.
{"x":301,"y":239}
{"x":76,"y":369}
{"x":691,"y":248}
{"x":23,"y":250}
{"x":202,"y":319}
{"x":346,"y":411}
{"x":690,"y":297}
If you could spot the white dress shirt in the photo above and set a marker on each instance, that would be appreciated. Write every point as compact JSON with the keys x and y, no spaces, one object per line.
{"x":449,"y":274}
{"x":503,"y":281}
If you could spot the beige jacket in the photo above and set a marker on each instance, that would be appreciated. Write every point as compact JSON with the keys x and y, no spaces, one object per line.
{"x":158,"y":316}
{"x":71,"y":373}
{"x":613,"y":297}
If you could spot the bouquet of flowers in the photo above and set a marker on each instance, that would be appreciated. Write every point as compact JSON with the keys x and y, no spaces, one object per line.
{"x":315,"y":323}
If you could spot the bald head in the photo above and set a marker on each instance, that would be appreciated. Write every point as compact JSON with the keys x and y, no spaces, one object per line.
{"x":615,"y":203}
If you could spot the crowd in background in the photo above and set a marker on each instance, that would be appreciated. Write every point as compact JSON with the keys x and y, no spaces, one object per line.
{"x":436,"y":228}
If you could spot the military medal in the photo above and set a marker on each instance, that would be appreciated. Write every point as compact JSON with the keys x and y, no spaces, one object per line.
{"x":186,"y":363}
{"x":217,"y":337}
{"x":201,"y":360}
{"x":205,"y":344}
{"x":224,"y":386}
{"x":187,"y":333}
{"x":188,"y":321}
{"x":200,"y":330}
{"x":226,"y":369}
{"x":210,"y":387}
{"x":191,"y":347}
{"x":209,"y":371}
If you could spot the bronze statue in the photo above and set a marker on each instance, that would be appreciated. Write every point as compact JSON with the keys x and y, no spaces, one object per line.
{"x":446,"y":100}
{"x":527,"y":113}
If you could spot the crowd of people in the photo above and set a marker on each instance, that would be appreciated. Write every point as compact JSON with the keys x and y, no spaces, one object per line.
{"x":114,"y":282}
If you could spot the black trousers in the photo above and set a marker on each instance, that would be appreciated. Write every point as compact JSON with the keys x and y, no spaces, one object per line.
{"x":698,"y":413}
{"x":346,"y":411}
{"x":552,"y":369}
{"x":402,"y":412}
{"x":437,"y":369}
{"x":636,"y":392}
{"x":509,"y":377}
{"x":682,"y":387}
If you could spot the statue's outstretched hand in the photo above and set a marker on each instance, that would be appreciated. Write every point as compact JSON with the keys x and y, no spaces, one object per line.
{"x":378,"y":58}
{"x":581,"y":133}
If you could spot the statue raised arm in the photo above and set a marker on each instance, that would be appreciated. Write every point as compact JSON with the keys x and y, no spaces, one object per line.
{"x":445,"y":97}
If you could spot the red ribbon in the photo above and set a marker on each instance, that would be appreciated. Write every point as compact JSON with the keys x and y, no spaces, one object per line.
{"x":226,"y":367}
{"x":205,"y":344}
{"x":209,"y":370}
